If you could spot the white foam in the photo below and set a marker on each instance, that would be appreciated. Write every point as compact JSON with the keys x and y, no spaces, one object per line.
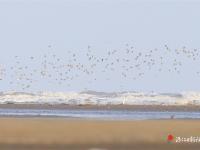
{"x":101,"y":98}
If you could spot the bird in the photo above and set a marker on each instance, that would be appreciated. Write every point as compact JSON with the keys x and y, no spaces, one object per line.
{"x":127,"y":63}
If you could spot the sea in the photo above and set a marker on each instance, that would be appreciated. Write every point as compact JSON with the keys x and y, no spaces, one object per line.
{"x":100,"y":99}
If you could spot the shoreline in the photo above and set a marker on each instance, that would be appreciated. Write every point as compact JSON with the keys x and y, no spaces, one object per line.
{"x":176,"y":108}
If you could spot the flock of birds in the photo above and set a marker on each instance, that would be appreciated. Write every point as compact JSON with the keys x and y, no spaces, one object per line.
{"x":127,"y":63}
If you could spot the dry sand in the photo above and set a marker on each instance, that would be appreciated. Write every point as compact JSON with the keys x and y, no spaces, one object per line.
{"x":58,"y":133}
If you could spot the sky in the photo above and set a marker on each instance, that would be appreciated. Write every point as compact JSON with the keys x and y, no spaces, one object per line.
{"x":41,"y":27}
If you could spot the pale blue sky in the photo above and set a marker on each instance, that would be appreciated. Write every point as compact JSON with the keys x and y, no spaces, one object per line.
{"x":27,"y":27}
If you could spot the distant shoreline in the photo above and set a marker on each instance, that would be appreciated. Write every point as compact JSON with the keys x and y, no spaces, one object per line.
{"x":185,"y":108}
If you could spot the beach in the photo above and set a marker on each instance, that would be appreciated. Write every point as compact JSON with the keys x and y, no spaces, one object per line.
{"x":114,"y":127}
{"x":60,"y":133}
{"x":99,"y":75}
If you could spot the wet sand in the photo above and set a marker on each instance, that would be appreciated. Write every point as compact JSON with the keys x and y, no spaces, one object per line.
{"x":59,"y":133}
{"x":190,"y":108}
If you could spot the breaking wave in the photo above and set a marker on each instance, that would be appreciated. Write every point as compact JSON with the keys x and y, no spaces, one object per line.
{"x":101,"y":98}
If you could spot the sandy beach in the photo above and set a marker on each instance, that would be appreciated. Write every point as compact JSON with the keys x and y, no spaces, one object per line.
{"x":99,"y":75}
{"x":59,"y":133}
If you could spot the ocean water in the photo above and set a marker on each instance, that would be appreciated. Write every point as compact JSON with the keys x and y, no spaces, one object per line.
{"x":98,"y":114}
{"x":101,"y":98}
